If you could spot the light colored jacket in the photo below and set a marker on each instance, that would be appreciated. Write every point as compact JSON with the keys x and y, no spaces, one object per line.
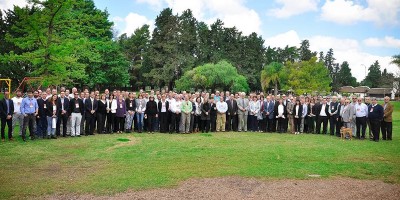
{"x":243,"y":103}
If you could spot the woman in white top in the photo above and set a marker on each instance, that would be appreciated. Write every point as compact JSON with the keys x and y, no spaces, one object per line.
{"x":140,"y":109}
{"x":297,"y":112}
{"x":111,"y":109}
{"x":254,"y":111}
{"x":281,"y":114}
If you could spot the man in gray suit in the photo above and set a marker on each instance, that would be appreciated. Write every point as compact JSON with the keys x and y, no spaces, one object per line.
{"x":346,"y":113}
{"x":243,"y":108}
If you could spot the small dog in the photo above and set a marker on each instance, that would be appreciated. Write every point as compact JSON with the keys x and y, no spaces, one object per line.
{"x":344,"y":131}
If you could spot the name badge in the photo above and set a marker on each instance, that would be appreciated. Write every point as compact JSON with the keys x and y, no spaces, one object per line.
{"x":372,"y":110}
{"x":130,"y":105}
{"x":44,"y":106}
{"x":31,"y":105}
{"x":77,"y":105}
{"x":120,"y":105}
{"x":18,"y":103}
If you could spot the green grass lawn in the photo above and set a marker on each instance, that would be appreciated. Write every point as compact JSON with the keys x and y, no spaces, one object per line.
{"x":106,"y":164}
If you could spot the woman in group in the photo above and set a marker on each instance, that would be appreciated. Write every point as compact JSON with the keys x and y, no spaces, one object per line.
{"x":205,"y":115}
{"x":120,"y":114}
{"x":140,"y":109}
{"x":261,"y":115}
{"x":151,"y":114}
{"x":101,"y":113}
{"x":281,"y":114}
{"x":111,"y":110}
{"x":163,"y":107}
{"x":254,"y":111}
{"x":197,"y":115}
{"x":297,"y":112}
{"x":311,"y":116}
{"x":52,"y":111}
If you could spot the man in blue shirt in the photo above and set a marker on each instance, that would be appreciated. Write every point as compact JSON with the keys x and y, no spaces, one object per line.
{"x":29,"y":109}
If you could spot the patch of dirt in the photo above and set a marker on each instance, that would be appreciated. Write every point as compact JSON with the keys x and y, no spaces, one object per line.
{"x":250,"y":188}
{"x":132,"y":141}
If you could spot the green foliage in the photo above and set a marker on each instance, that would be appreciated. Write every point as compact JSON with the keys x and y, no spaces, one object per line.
{"x":344,"y":77}
{"x":221,"y":75}
{"x":308,"y":77}
{"x":305,"y":52}
{"x":396,"y":60}
{"x":374,"y":76}
{"x":273,"y":75}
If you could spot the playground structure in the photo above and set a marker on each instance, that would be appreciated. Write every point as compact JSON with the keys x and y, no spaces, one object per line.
{"x":8,"y":83}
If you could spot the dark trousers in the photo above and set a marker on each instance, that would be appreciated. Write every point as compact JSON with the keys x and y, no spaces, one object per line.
{"x":197,"y":123}
{"x":41,"y":125}
{"x":361,"y":121}
{"x":262,"y":124}
{"x":231,"y":121}
{"x":101,"y":120}
{"x":254,"y":123}
{"x":205,"y":124}
{"x":150,"y":122}
{"x":375,"y":126}
{"x":324,"y":121}
{"x":285,"y":124}
{"x":339,"y":125}
{"x":386,"y":128}
{"x":280,"y":125}
{"x":4,"y":122}
{"x":90,"y":124}
{"x":119,"y":123}
{"x":62,"y":119}
{"x":110,"y":123}
{"x":270,"y":126}
{"x":28,"y":122}
{"x":332,"y":125}
{"x":175,"y":120}
{"x":297,"y":122}
{"x":213,"y":122}
{"x":273,"y":125}
{"x":311,"y":124}
{"x":163,"y":119}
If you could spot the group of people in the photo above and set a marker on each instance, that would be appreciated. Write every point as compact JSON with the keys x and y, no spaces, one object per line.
{"x":51,"y":114}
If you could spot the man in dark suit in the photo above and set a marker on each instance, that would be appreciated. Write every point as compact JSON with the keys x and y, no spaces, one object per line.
{"x":232,"y":113}
{"x":213,"y":115}
{"x":90,"y":114}
{"x":41,"y":121}
{"x":163,"y":107}
{"x":322,"y":116}
{"x":333,"y":111}
{"x":63,"y":104}
{"x":6,"y":113}
{"x":375,"y":115}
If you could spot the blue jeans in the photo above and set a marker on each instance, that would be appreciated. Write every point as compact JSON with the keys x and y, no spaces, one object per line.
{"x":50,"y":130}
{"x":139,"y":118}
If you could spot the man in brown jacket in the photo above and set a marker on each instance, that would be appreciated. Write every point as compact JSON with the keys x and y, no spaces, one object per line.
{"x":386,"y":126}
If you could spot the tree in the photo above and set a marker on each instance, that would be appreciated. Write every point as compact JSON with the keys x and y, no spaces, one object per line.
{"x":396,"y":60}
{"x":344,"y":77}
{"x":221,"y":75}
{"x":273,"y":74}
{"x":308,"y":77}
{"x":387,"y":79}
{"x":305,"y":52}
{"x":373,"y":78}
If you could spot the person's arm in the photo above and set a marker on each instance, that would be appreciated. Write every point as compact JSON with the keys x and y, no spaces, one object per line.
{"x":388,"y":111}
{"x":21,"y":108}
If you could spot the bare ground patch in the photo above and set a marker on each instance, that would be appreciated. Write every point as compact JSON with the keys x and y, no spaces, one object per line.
{"x":250,"y":188}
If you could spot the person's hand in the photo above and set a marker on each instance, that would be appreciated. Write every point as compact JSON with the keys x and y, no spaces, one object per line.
{"x":8,"y":116}
{"x":156,"y":115}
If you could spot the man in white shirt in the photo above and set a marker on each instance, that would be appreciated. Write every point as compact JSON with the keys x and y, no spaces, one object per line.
{"x":322,"y":116}
{"x":17,"y":116}
{"x":222,"y":107}
{"x":361,"y":118}
{"x":175,"y":108}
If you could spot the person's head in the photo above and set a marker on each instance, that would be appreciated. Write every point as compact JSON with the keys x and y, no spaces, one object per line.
{"x":354,"y":98}
{"x":373,"y":100}
{"x":106,"y":91}
{"x":211,"y":100}
{"x":96,"y":96}
{"x":76,"y":95}
{"x":92,"y":95}
{"x":163,"y":97}
{"x":48,"y":90}
{"x":217,"y":93}
{"x":54,"y":91}
{"x":74,"y":90}
{"x":67,"y":92}
{"x":35,"y":94}
{"x":386,"y":99}
{"x":334,"y":99}
{"x":6,"y":94}
{"x":221,"y":99}
{"x":19,"y":93}
{"x":280,"y":101}
{"x":82,"y":95}
{"x":328,"y":98}
{"x":54,"y":97}
{"x":111,"y":97}
{"x":368,"y":100}
{"x":62,"y":94}
{"x":284,"y":97}
{"x":342,"y":101}
{"x":323,"y":100}
{"x":30,"y":93}
{"x":359,"y":100}
{"x":268,"y":98}
{"x":298,"y":102}
{"x":198,"y":100}
{"x":346,"y":102}
{"x":140,"y":96}
{"x":121,"y":97}
{"x":255,"y":98}
{"x":151,"y":98}
{"x":62,"y":89}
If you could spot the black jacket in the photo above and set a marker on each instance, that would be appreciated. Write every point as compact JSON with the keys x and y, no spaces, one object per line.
{"x":151,"y":108}
{"x":72,"y":106}
{"x":160,"y":106}
{"x":3,"y":108}
{"x":66,"y":104}
{"x":300,"y":112}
